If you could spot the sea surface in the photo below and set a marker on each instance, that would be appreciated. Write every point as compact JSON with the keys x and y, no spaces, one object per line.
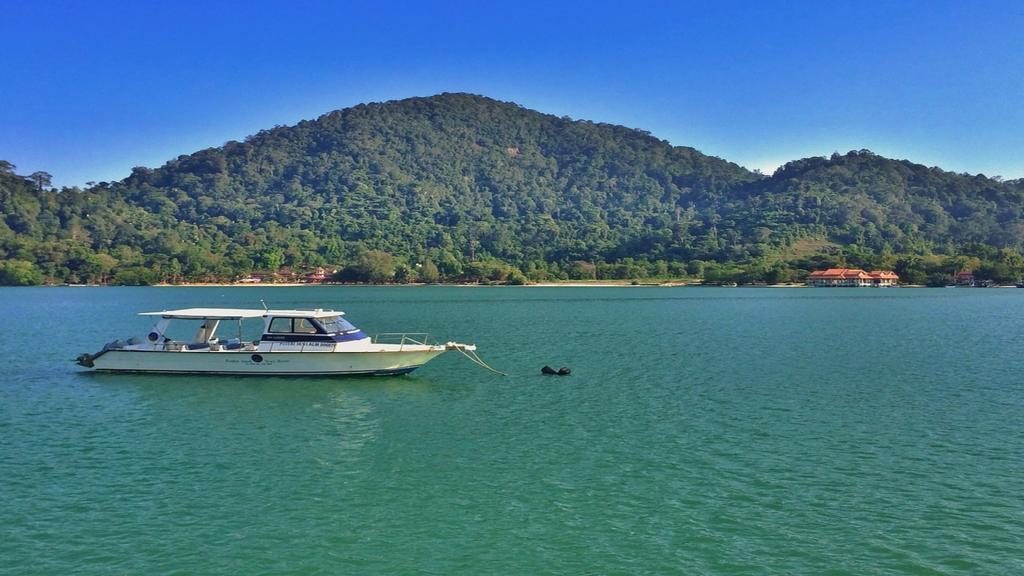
{"x":702,"y":431}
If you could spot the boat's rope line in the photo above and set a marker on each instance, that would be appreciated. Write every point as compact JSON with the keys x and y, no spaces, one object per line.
{"x":476,"y":359}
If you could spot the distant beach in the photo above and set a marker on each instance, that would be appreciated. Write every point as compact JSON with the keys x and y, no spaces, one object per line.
{"x":568,"y":284}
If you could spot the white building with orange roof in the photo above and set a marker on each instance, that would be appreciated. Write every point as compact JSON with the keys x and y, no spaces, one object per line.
{"x":852,"y":278}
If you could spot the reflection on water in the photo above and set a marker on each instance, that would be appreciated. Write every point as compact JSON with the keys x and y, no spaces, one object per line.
{"x":331,"y":418}
{"x":352,"y":419}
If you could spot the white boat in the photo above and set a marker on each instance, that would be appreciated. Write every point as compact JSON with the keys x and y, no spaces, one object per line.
{"x":294,"y":342}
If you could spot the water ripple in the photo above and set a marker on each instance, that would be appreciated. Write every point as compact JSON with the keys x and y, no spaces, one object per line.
{"x":702,"y":431}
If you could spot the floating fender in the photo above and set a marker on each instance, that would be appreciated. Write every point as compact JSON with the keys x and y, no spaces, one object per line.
{"x":563,"y":371}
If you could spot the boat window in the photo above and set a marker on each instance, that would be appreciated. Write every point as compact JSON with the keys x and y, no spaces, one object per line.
{"x":333,"y":324}
{"x":280,"y":325}
{"x":304,"y":326}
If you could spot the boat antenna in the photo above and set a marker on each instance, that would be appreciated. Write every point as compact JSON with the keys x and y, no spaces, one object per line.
{"x":265,"y":309}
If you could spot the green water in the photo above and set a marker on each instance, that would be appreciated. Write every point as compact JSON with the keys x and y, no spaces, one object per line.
{"x":703,"y":431}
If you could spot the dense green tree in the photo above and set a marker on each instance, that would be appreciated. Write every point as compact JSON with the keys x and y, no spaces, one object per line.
{"x":19,"y":273}
{"x":517,"y":278}
{"x":580,"y":270}
{"x":41,"y":179}
{"x":374,"y":266}
{"x":428,"y":272}
{"x":136,"y":276}
{"x":404,"y":274}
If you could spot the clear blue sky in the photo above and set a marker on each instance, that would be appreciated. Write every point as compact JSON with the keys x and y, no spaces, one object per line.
{"x":89,"y":89}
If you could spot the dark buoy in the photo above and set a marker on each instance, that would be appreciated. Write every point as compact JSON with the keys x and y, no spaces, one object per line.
{"x":563,"y":371}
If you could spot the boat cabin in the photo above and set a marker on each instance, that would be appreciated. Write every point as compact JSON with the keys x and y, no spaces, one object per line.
{"x":286,"y":326}
{"x":282,"y":329}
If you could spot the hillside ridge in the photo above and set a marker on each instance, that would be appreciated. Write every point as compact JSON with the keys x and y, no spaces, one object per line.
{"x":464,"y":187}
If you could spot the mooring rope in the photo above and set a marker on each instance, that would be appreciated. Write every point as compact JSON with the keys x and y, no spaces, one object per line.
{"x":476,"y":359}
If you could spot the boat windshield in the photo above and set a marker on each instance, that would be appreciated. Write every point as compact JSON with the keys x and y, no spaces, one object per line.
{"x":333,"y":324}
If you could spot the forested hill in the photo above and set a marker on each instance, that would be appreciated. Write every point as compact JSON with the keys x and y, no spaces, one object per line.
{"x":462,"y":187}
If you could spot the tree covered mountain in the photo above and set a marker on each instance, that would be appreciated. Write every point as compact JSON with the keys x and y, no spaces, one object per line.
{"x":462,"y":187}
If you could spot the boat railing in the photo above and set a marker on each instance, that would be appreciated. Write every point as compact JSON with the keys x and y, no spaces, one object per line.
{"x":403,"y":338}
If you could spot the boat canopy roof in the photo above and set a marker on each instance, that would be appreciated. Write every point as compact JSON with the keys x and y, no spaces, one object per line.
{"x":239,"y":313}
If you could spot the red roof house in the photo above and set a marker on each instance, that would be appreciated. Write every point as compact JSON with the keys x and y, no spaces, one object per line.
{"x":852,"y":277}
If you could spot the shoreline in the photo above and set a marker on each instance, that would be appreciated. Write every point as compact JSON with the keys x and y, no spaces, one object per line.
{"x":454,"y":285}
{"x":566,"y":284}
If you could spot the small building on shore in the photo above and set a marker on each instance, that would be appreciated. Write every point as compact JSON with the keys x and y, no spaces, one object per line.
{"x":852,"y":278}
{"x":964,"y":279}
{"x":319,"y":275}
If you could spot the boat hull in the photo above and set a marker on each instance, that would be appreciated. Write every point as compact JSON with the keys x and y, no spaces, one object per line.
{"x":257,"y":363}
